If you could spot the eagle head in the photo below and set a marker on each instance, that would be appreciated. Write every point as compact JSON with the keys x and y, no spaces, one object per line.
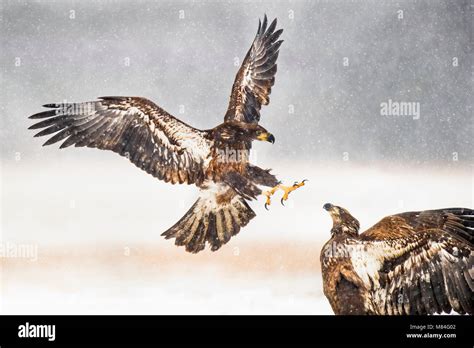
{"x":262,"y":134}
{"x":342,"y":220}
{"x":241,"y":131}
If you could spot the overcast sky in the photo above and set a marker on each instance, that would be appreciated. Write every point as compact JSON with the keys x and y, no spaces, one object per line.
{"x":340,"y":62}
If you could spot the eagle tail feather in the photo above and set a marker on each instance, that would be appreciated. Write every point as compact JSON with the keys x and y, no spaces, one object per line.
{"x":210,"y":220}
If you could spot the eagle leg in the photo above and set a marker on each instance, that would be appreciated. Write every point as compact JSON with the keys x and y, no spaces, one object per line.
{"x":286,"y":189}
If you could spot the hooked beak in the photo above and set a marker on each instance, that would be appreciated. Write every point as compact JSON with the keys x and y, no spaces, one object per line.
{"x":328,"y":206}
{"x":266,"y":137}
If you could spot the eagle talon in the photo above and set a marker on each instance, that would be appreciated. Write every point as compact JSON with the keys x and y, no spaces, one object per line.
{"x":285,"y":189}
{"x":268,"y":194}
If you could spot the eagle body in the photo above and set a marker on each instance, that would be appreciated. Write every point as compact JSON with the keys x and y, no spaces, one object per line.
{"x":215,"y":160}
{"x":340,"y":279}
{"x":409,"y":263}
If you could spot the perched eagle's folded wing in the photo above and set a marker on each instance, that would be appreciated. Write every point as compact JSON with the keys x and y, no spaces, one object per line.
{"x":256,"y":76}
{"x":133,"y":127}
{"x":426,"y":273}
{"x":419,"y":262}
{"x":458,"y":222}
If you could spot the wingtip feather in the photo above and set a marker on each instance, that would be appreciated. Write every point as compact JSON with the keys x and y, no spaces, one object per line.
{"x":48,"y":142}
{"x":272,"y":26}
{"x":264,"y":24}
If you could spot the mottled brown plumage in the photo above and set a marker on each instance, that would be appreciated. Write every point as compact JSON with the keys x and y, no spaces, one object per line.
{"x":408,"y":263}
{"x":256,"y":76}
{"x":215,"y":160}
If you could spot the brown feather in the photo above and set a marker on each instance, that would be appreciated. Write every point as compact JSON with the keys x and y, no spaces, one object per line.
{"x":256,"y":76}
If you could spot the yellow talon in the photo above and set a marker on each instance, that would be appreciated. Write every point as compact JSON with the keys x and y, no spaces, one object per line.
{"x":270,"y":193}
{"x":285,"y":189}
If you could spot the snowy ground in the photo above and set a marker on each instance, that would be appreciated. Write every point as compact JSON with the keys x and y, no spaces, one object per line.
{"x":96,"y":226}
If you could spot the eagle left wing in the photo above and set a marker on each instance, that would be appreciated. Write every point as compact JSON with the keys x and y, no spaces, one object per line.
{"x":133,"y":127}
{"x":459,"y":222}
{"x":256,"y":76}
{"x":419,"y":262}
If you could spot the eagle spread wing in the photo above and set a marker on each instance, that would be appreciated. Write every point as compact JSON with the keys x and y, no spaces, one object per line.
{"x":133,"y":127}
{"x":419,"y":262}
{"x":256,"y":76}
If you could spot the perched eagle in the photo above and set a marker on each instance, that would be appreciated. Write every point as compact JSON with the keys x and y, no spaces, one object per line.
{"x":215,"y":160}
{"x":408,"y":263}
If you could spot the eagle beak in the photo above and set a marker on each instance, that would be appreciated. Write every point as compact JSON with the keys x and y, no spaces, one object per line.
{"x":328,"y":206}
{"x":266,"y":137}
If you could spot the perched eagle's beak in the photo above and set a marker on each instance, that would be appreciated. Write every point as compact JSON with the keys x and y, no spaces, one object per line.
{"x":328,"y":206}
{"x":266,"y":137}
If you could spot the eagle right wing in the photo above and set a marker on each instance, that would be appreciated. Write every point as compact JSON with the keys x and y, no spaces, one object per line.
{"x":419,"y":262}
{"x":133,"y":127}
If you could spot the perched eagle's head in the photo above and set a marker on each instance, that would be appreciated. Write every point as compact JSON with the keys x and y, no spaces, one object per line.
{"x":241,"y":131}
{"x":342,"y":220}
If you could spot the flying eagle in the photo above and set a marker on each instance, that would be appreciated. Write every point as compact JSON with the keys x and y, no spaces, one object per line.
{"x":409,"y":263}
{"x":215,"y":160}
